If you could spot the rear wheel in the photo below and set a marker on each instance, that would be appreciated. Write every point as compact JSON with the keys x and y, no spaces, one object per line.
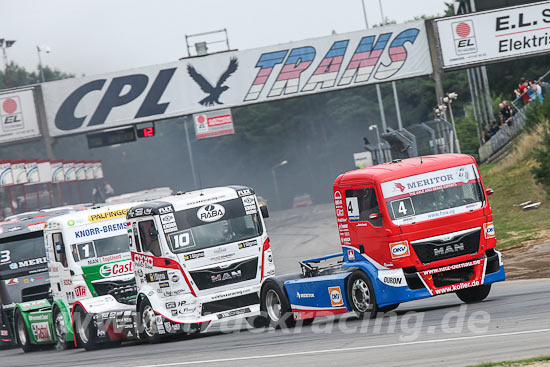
{"x":361,"y":295}
{"x":474,"y":294}
{"x":275,"y":305}
{"x":85,"y":331}
{"x":148,"y":322}
{"x":60,"y":330}
{"x":22,"y":334}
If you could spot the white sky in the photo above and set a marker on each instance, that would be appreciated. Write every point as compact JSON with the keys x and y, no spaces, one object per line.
{"x":97,"y":36}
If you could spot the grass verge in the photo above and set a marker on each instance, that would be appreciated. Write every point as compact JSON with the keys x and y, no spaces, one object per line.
{"x":523,"y":362}
{"x":513,"y":183}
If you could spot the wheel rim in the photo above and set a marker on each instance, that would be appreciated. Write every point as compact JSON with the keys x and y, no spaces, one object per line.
{"x":21,"y":332}
{"x":59,"y":324}
{"x":273,"y":305}
{"x":82,"y":330}
{"x":148,"y":321}
{"x":360,"y":295}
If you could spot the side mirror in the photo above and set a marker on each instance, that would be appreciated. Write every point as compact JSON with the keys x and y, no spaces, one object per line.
{"x":153,"y":232}
{"x":59,"y":248}
{"x":374,"y":216}
{"x":264,"y":211}
{"x":489,"y":192}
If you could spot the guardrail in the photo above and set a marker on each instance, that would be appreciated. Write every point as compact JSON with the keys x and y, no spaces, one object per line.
{"x":503,"y":136}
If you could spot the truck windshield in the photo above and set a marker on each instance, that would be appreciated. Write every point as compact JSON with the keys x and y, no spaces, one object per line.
{"x":433,"y":194}
{"x":213,"y":225}
{"x":22,"y":250}
{"x":100,"y":247}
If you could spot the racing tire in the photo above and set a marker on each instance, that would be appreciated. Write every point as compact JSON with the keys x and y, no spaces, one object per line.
{"x":60,"y":330}
{"x":474,"y":294}
{"x":388,"y":308}
{"x":85,"y":332}
{"x":22,"y":336}
{"x":275,"y":306}
{"x":361,"y":297}
{"x":147,"y":322}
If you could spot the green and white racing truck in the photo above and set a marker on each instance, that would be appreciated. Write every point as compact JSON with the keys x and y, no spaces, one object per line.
{"x":88,"y":256}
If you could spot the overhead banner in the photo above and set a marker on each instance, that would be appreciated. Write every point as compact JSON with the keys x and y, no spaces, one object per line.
{"x":494,"y":35}
{"x":6,"y":178}
{"x":57,"y":173}
{"x":213,"y":123}
{"x":89,"y":168}
{"x":19,"y":173}
{"x":18,"y":116}
{"x":228,"y":79}
{"x":80,"y":171}
{"x":98,"y":170}
{"x":31,"y":169}
{"x":68,"y":171}
{"x":44,"y":171}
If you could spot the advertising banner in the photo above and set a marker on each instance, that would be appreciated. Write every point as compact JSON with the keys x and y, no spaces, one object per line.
{"x":18,"y":172}
{"x":6,"y":178}
{"x":44,"y":171}
{"x":227,"y":79}
{"x":213,"y":123}
{"x":18,"y":116}
{"x":57,"y":174}
{"x":80,"y":171}
{"x":31,"y":168}
{"x":89,"y":168}
{"x":98,"y":170}
{"x":495,"y":35}
{"x":68,"y":171}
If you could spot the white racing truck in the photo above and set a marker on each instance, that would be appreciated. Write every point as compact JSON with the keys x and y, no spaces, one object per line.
{"x":88,"y":256}
{"x":199,"y":258}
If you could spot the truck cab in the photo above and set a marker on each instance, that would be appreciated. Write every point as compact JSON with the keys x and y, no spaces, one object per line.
{"x":199,"y":257}
{"x":409,"y":229}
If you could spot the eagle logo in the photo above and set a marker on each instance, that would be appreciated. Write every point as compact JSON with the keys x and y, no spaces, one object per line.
{"x":213,"y":92}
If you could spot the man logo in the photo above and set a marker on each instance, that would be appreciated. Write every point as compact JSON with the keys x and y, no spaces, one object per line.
{"x":464,"y":37}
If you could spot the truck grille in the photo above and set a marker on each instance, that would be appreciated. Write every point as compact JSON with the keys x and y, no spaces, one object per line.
{"x":36,"y":292}
{"x":439,"y":250}
{"x":123,"y":291}
{"x":234,"y":273}
{"x":230,"y":303}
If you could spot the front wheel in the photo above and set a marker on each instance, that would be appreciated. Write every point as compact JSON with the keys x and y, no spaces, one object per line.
{"x":275,"y":305}
{"x":22,"y":334}
{"x":60,"y":330}
{"x":148,"y":322}
{"x":361,"y":295}
{"x":474,"y":294}
{"x":85,"y":331}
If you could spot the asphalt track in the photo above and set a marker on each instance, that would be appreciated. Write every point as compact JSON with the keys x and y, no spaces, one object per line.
{"x":512,"y":323}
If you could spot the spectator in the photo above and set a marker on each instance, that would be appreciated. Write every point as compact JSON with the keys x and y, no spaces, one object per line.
{"x":97,"y":195}
{"x":108,"y":190}
{"x":538,"y":93}
{"x":486,"y":136}
{"x":522,"y":91}
{"x":505,"y":114}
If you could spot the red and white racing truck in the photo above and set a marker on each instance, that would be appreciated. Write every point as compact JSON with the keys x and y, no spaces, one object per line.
{"x":199,"y":258}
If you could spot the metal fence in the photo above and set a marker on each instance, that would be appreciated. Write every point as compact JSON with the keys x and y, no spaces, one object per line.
{"x":503,"y":136}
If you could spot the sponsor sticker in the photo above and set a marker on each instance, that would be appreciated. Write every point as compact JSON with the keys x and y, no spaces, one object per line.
{"x":247,"y":244}
{"x":112,"y":270}
{"x":489,"y":230}
{"x":399,"y":249}
{"x":41,"y":331}
{"x":244,"y":192}
{"x":158,"y":276}
{"x":194,"y":255}
{"x":351,"y":254}
{"x":336,"y":298}
{"x":108,"y":215}
{"x":210,"y":213}
{"x":164,"y":285}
